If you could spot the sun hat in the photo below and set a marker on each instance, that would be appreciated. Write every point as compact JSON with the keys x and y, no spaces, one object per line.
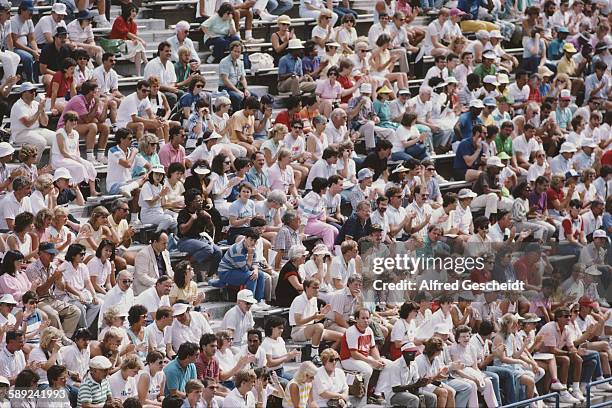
{"x":61,"y":173}
{"x":466,"y":193}
{"x":59,"y":8}
{"x":6,"y":149}
{"x":569,"y":47}
{"x":100,"y":363}
{"x":495,"y":161}
{"x":179,"y":308}
{"x":284,"y":19}
{"x":245,"y":295}
{"x":476,"y":103}
{"x":364,"y":174}
{"x":295,"y":44}
{"x":567,"y":147}
{"x":384,"y":90}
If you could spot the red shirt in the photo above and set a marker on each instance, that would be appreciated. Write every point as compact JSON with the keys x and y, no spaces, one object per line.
{"x":606,"y":160}
{"x":121,"y":28}
{"x":523,"y":269}
{"x":356,"y":340}
{"x":534,"y":95}
{"x":64,"y":85}
{"x":553,"y":195}
{"x":346,"y":83}
{"x":284,"y":118}
{"x":208,"y":368}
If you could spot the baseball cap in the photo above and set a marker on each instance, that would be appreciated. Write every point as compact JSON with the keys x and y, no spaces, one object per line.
{"x":61,"y":173}
{"x":569,"y":47}
{"x":4,"y":380}
{"x":600,"y":234}
{"x":503,"y":156}
{"x":158,"y":169}
{"x":48,"y":247}
{"x":375,"y":228}
{"x":6,"y":149}
{"x":489,"y":101}
{"x":364,"y":174}
{"x":503,"y":78}
{"x":60,"y":30}
{"x":457,"y":12}
{"x":587,"y":301}
{"x":59,"y":8}
{"x":27,"y":5}
{"x":26,"y":86}
{"x":489,"y":55}
{"x":571,"y":173}
{"x":495,"y":161}
{"x":466,"y":193}
{"x":490,"y":79}
{"x":5,"y":6}
{"x":476,"y":103}
{"x":588,"y":142}
{"x":246,"y":295}
{"x":8,"y":299}
{"x":565,"y":94}
{"x":179,"y":308}
{"x":441,"y":328}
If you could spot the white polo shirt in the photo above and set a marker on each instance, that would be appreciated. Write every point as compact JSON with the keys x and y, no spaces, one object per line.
{"x":192,"y":333}
{"x":165,"y":73}
{"x":304,"y":306}
{"x":11,"y":364}
{"x":20,"y":110}
{"x":239,"y":322}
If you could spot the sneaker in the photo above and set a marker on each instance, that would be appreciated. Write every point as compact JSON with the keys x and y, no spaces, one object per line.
{"x":102,"y":159}
{"x":210,"y":59}
{"x":267,"y":17}
{"x":96,"y":163}
{"x":316,"y":360}
{"x":101,"y":21}
{"x":376,"y":400}
{"x":565,"y":396}
{"x":605,"y":387}
{"x":254,"y":41}
{"x":557,"y":386}
{"x":114,"y":127}
{"x":578,"y":395}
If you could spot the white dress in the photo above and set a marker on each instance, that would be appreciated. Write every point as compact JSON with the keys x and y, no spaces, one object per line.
{"x":79,"y":170}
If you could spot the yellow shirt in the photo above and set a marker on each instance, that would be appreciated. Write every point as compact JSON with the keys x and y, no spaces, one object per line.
{"x":239,"y":122}
{"x":566,"y":66}
{"x":186,"y":294}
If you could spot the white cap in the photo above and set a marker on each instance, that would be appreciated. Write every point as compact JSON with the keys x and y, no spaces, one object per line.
{"x":588,"y":143}
{"x":59,"y":8}
{"x":600,"y":234}
{"x":364,"y":174}
{"x":451,"y":80}
{"x":476,"y":103}
{"x":593,"y":271}
{"x":567,"y":147}
{"x":565,"y":94}
{"x":6,"y":149}
{"x":61,"y":173}
{"x":246,"y":295}
{"x":179,"y":308}
{"x":495,"y":161}
{"x":365,"y":88}
{"x":489,"y":55}
{"x":465,"y":193}
{"x":158,"y":169}
{"x":100,"y":363}
{"x":495,"y":34}
{"x":399,"y":169}
{"x":320,"y":249}
{"x":4,"y":380}
{"x":490,"y":79}
{"x":8,"y":299}
{"x":441,"y":328}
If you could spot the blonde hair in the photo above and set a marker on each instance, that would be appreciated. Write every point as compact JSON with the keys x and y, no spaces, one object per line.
{"x":306,"y":368}
{"x":42,"y":181}
{"x":506,"y":322}
{"x":48,"y":336}
{"x":183,"y":50}
{"x":40,"y":217}
{"x":279,"y":127}
{"x":328,"y":355}
{"x":153,"y":80}
{"x":131,"y":362}
{"x":147,"y":139}
{"x":283,"y":152}
{"x":111,"y":314}
{"x":27,"y":151}
{"x":96,"y":213}
{"x":112,"y":333}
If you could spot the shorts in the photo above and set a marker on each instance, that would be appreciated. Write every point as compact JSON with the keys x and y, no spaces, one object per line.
{"x":297,"y":333}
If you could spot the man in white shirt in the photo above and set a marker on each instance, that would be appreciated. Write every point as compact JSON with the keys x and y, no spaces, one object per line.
{"x":379,"y":217}
{"x":188,"y":326}
{"x":336,"y":129}
{"x":162,"y":68}
{"x":242,"y":396}
{"x":562,"y":163}
{"x":75,"y":357}
{"x":27,"y":117}
{"x":519,"y":91}
{"x":524,"y":145}
{"x":593,"y":219}
{"x":343,"y":304}
{"x":399,"y":220}
{"x":160,"y":332}
{"x":120,"y":296}
{"x":398,"y":106}
{"x":7,"y":304}
{"x":239,"y":319}
{"x":325,"y":167}
{"x":181,"y":39}
{"x":136,"y":113}
{"x":156,"y":296}
{"x":343,"y":265}
{"x":253,"y":349}
{"x":12,"y":359}
{"x":16,"y":202}
{"x":45,"y":28}
{"x":108,"y":82}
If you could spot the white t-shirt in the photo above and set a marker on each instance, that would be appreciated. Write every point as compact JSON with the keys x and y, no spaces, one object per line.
{"x":76,"y":360}
{"x":11,"y":207}
{"x":46,"y":24}
{"x":121,"y":388}
{"x":323,"y":382}
{"x":11,"y":364}
{"x":274,"y":348}
{"x":37,"y":354}
{"x":302,"y":305}
{"x":98,"y":271}
{"x":395,"y":217}
{"x":340,"y":269}
{"x":181,"y":333}
{"x":20,"y":110}
{"x":107,"y":81}
{"x":402,"y":134}
{"x":166,"y":73}
{"x":518,"y":95}
{"x":157,"y":338}
{"x":116,"y":173}
{"x":151,"y":300}
{"x":77,"y":34}
{"x":239,"y":322}
{"x":131,"y":105}
{"x":227,"y":359}
{"x":320,"y":32}
{"x":526,"y":148}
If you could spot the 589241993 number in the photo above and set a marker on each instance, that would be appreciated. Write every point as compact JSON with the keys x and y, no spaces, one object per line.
{"x":28,"y":393}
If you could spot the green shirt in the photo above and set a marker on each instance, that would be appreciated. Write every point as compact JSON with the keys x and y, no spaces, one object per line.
{"x":482,"y":72}
{"x":93,"y":392}
{"x":503,"y":145}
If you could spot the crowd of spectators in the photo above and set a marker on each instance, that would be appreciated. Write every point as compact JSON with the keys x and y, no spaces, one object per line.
{"x":293,"y":210}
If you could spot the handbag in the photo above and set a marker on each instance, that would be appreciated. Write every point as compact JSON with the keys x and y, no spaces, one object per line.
{"x":357,"y":386}
{"x":113,"y":46}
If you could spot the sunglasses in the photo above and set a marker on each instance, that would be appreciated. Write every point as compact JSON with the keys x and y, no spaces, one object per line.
{"x":82,"y":253}
{"x":227,"y":162}
{"x":298,"y":127}
{"x":129,"y":281}
{"x":33,"y":302}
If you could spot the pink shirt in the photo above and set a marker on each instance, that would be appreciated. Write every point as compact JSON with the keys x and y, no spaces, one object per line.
{"x":79,"y":105}
{"x":168,"y":154}
{"x":325,"y":90}
{"x":553,"y":337}
{"x":15,"y":285}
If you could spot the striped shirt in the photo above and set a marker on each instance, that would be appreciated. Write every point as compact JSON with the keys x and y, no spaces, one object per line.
{"x":235,"y":259}
{"x":311,"y":207}
{"x":93,"y":392}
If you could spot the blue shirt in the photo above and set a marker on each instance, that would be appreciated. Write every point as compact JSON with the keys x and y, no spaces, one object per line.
{"x":466,"y":148}
{"x":555,"y":49}
{"x":466,"y":124}
{"x":353,"y":227}
{"x":471,"y":7}
{"x":177,"y":377}
{"x":607,"y":223}
{"x":235,"y":259}
{"x":289,"y":64}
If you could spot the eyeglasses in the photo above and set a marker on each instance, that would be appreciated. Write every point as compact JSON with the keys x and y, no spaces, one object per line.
{"x":331,"y":74}
{"x":298,"y":127}
{"x":430,"y":169}
{"x":127,"y":281}
{"x":82,"y":253}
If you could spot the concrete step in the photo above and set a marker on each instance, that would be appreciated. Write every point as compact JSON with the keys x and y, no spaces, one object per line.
{"x":151,"y":24}
{"x":217,"y":310}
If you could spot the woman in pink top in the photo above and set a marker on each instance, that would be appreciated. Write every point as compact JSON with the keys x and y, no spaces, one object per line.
{"x":281,"y":174}
{"x":13,"y":279}
{"x":329,"y":91}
